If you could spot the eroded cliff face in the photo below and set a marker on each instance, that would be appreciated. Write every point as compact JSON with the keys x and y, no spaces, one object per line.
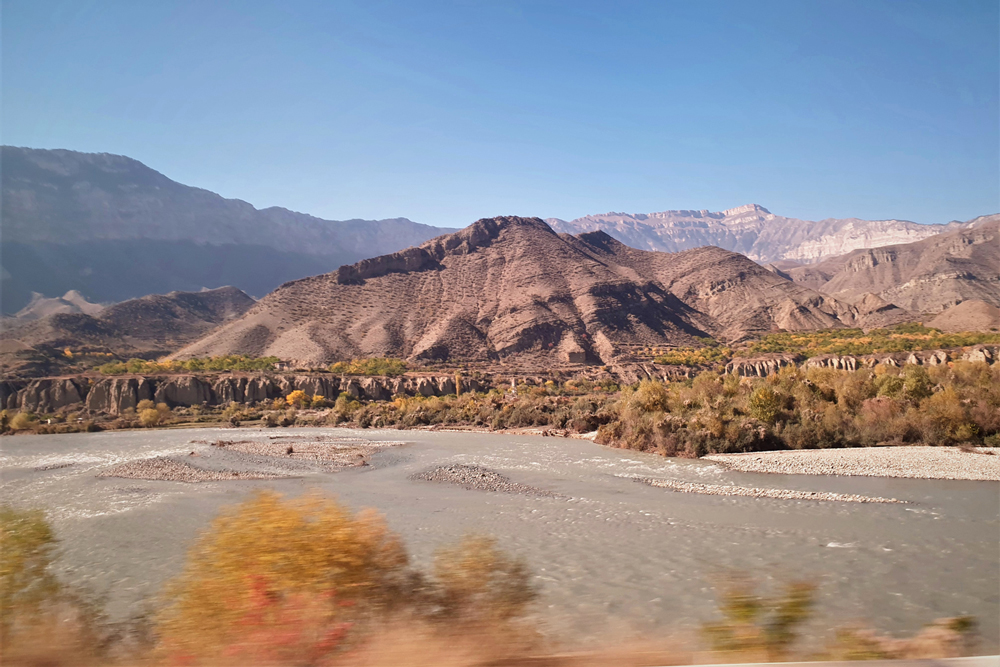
{"x":751,"y":230}
{"x":114,"y":395}
{"x":927,"y":276}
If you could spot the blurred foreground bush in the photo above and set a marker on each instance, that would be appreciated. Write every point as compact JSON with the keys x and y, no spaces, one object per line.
{"x":300,"y":581}
{"x":304,"y":581}
{"x":754,"y":626}
{"x":41,"y":622}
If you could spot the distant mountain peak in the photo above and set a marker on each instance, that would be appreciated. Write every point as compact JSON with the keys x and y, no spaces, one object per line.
{"x":751,"y":230}
{"x":746,"y":208}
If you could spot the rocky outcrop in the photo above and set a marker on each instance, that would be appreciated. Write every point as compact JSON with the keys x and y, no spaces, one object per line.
{"x":980,"y":353}
{"x":934,"y":358}
{"x":115,"y":395}
{"x":832,"y":361}
{"x":254,"y":389}
{"x":760,"y":366}
{"x":43,"y":395}
{"x":185,"y":390}
{"x":9,"y":393}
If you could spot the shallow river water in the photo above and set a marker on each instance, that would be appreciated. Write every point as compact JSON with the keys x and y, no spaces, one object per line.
{"x":611,"y":556}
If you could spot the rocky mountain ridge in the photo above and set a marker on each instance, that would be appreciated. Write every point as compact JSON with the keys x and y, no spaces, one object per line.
{"x":753,"y":231}
{"x":151,"y":325}
{"x":511,"y":288}
{"x":924,"y":277}
{"x":112,"y":228}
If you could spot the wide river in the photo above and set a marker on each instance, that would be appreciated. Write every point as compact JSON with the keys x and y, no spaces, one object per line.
{"x":611,"y":556}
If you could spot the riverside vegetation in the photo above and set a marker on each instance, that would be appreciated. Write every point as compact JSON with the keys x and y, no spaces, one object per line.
{"x":798,"y":408}
{"x":276,"y":581}
{"x":900,"y":338}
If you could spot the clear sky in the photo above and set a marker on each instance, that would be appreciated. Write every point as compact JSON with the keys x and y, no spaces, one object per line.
{"x":445,"y":112}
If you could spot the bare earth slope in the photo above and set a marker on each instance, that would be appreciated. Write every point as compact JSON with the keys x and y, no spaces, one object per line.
{"x":114,"y":229}
{"x":972,"y":315}
{"x":751,"y":230}
{"x":923,"y":277}
{"x":151,"y":324}
{"x":511,"y":287}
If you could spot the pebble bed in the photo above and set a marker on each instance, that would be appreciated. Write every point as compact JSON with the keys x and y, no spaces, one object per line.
{"x":477,"y":478}
{"x":335,"y":452}
{"x":916,"y":462}
{"x":780,"y":494}
{"x":168,"y":470}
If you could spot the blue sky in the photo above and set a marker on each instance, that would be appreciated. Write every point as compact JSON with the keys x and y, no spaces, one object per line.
{"x":445,"y":112}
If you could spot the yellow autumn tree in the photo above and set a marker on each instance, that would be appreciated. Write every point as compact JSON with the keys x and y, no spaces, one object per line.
{"x":276,"y":579}
{"x":298,"y":399}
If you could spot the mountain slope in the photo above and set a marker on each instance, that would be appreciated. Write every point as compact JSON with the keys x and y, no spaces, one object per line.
{"x":511,"y":288}
{"x":98,"y":222}
{"x":750,"y":230}
{"x":923,"y":277}
{"x":151,"y":325}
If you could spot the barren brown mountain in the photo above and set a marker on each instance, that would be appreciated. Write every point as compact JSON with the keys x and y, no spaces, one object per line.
{"x":972,"y":315}
{"x":511,"y":287}
{"x":154,"y":324}
{"x":923,"y":277}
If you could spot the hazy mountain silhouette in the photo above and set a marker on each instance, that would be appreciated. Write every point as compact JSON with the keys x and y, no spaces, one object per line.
{"x":112,"y":228}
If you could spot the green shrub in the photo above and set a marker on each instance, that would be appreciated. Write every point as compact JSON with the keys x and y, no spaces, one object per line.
{"x":372,"y":366}
{"x":23,"y":421}
{"x":149,"y":417}
{"x":901,"y":338}
{"x":764,"y":405}
{"x":230,"y":362}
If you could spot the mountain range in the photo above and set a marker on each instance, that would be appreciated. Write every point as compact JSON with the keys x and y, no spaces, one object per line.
{"x":101,"y":228}
{"x":925,"y":277}
{"x":112,"y":228}
{"x":149,"y":326}
{"x":512,"y":288}
{"x":753,"y":231}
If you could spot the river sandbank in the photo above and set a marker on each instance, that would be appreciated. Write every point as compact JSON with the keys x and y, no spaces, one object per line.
{"x":756,"y":492}
{"x":914,"y":462}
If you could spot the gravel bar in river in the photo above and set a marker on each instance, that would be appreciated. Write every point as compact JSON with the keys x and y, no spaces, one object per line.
{"x":982,"y":463}
{"x":477,"y":478}
{"x":780,"y":494}
{"x":168,"y":470}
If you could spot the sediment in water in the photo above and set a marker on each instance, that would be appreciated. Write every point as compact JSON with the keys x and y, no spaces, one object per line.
{"x":477,"y":478}
{"x":753,"y":492}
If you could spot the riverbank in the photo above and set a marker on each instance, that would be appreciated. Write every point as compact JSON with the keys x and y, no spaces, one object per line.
{"x":913,"y":462}
{"x":898,"y":461}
